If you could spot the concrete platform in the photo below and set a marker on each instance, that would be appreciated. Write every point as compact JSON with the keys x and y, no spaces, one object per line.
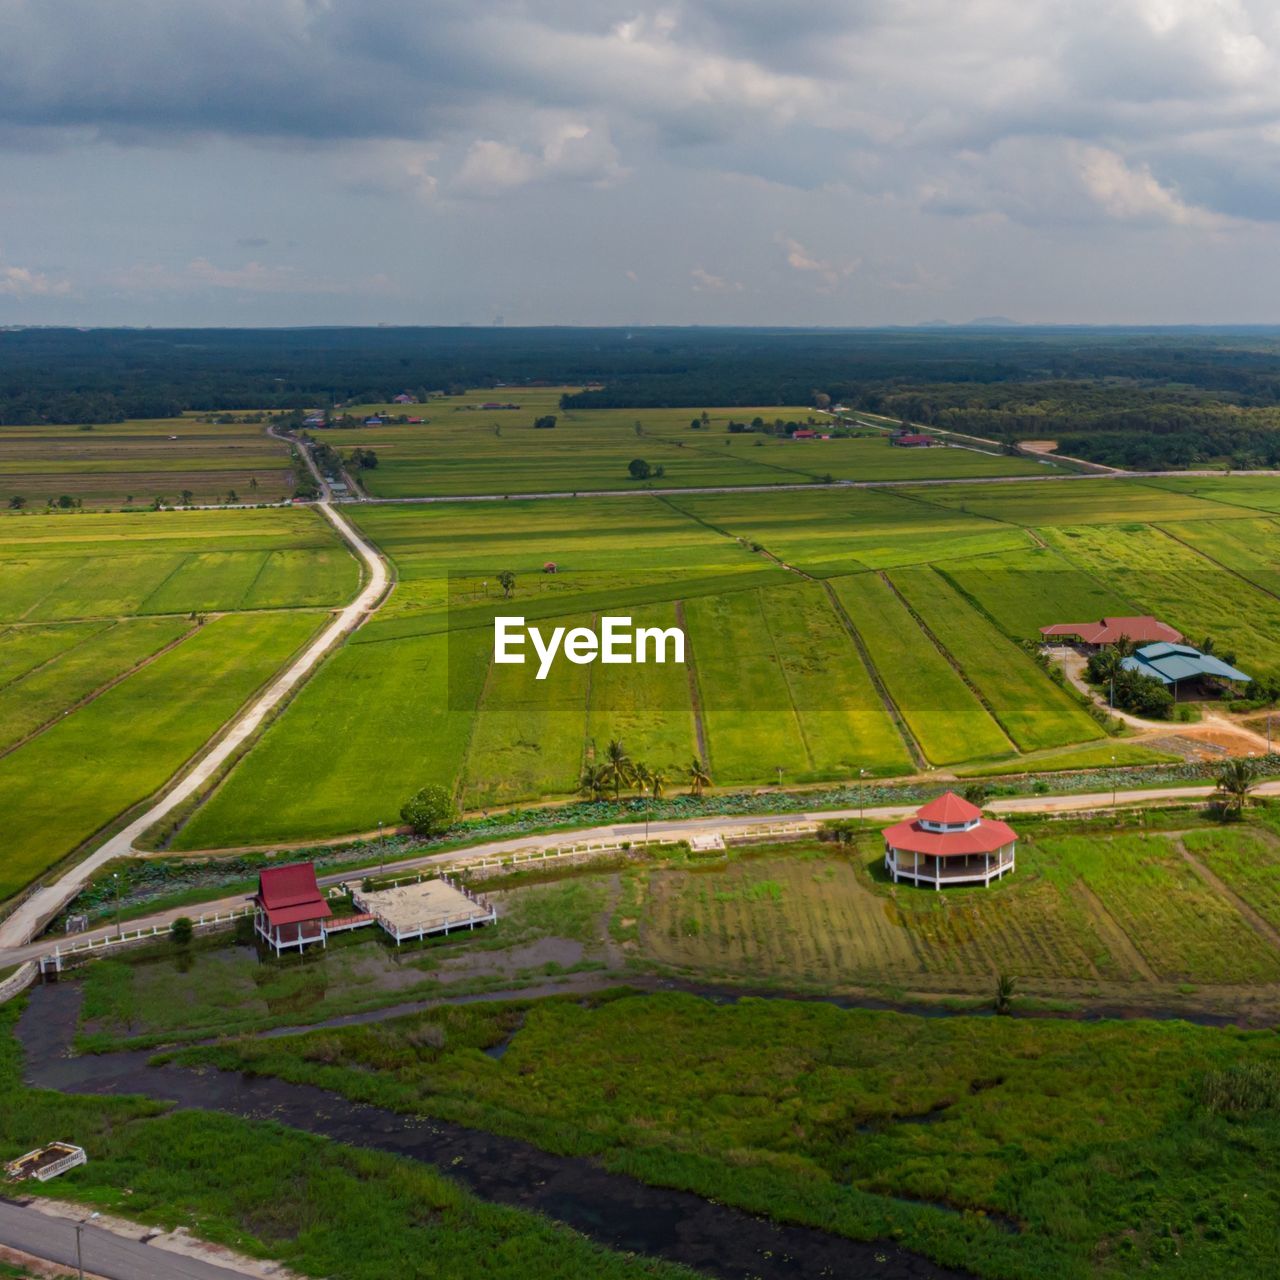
{"x":417,"y":909}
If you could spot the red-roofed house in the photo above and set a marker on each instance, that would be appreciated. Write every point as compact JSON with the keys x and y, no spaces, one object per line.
{"x":911,"y":440}
{"x":291,"y":910}
{"x":949,"y":842}
{"x":1143,"y":629}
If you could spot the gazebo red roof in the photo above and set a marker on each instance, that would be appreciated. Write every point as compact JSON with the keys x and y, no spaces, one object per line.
{"x":1141,"y":629}
{"x":988,"y":836}
{"x":950,"y":808}
{"x":983,"y":835}
{"x":290,"y":894}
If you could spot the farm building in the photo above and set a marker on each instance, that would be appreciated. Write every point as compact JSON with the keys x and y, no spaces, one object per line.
{"x":289,"y":909}
{"x":949,"y":842}
{"x":405,"y":398}
{"x":1143,"y":629}
{"x":1174,"y":664}
{"x":911,"y":440}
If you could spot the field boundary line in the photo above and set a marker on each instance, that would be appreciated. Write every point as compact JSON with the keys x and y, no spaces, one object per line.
{"x":1260,"y":926}
{"x":1217,"y":564}
{"x":950,"y":657}
{"x":94,"y":694}
{"x":1112,"y":933}
{"x":904,"y":730}
{"x":695,"y":693}
{"x":79,"y":644}
{"x":183,"y":561}
{"x":248,"y":591}
{"x":460,"y":787}
{"x":786,"y":680}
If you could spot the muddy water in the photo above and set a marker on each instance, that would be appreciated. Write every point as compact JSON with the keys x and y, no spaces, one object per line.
{"x":610,"y":1208}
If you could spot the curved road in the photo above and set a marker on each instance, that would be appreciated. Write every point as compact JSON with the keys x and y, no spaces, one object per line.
{"x":26,"y":921}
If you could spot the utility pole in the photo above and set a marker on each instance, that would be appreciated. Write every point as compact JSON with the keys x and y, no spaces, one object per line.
{"x":862,"y":795}
{"x":115,"y":878}
{"x":382,"y":851}
{"x":79,"y":1254}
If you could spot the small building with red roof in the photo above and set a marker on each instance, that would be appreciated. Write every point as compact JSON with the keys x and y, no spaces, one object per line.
{"x":1142,"y":629}
{"x":949,"y":842}
{"x":290,"y":910}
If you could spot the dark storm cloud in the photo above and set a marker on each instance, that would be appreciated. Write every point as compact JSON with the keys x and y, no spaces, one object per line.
{"x":848,"y":127}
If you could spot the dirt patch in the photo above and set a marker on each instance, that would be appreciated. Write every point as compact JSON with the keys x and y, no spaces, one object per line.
{"x":532,"y":955}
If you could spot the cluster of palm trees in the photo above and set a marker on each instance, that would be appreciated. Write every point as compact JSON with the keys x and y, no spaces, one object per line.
{"x":617,"y":770}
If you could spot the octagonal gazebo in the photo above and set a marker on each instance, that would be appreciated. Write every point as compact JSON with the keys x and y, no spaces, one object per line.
{"x":949,"y":842}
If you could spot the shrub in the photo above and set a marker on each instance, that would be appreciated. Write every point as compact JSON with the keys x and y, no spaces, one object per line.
{"x":1241,"y":1090}
{"x":431,"y":812}
{"x":181,"y":931}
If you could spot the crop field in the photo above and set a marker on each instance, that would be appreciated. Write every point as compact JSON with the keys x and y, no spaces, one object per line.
{"x":1078,"y":502}
{"x":803,"y":680}
{"x":942,"y":712}
{"x":120,"y":464}
{"x":66,"y":783}
{"x":1247,"y":861}
{"x":463,"y":448}
{"x":1117,"y":910}
{"x":110,"y":565}
{"x":1182,"y":927}
{"x":1022,"y":591}
{"x":830,"y":532}
{"x":1168,"y":578}
{"x":1008,"y":680}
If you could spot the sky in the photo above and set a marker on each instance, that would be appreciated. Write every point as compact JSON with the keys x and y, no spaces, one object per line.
{"x":774,"y":162}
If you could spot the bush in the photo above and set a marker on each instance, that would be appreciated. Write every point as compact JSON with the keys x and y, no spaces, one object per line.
{"x":181,"y":931}
{"x":431,"y":812}
{"x":1242,"y":1090}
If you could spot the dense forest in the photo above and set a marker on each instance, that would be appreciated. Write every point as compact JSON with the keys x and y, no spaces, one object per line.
{"x":1142,"y":398}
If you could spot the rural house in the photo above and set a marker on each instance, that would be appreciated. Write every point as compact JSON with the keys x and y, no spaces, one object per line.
{"x":949,"y":842}
{"x":1143,"y":629}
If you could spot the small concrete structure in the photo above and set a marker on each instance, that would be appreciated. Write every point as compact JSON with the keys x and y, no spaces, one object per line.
{"x":949,"y":842}
{"x":425,"y":907}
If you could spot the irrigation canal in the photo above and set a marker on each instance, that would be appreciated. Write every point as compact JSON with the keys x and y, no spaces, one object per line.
{"x":612,"y":1209}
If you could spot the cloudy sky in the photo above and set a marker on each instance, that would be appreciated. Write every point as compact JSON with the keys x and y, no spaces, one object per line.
{"x":622,"y":162}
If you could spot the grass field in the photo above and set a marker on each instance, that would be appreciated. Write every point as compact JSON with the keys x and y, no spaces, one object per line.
{"x":321,"y":1208}
{"x":1002,"y":1147}
{"x":132,"y":463}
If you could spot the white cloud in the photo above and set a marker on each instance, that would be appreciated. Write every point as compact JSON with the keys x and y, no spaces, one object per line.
{"x":705,"y":282}
{"x":22,"y":282}
{"x":828,"y":271}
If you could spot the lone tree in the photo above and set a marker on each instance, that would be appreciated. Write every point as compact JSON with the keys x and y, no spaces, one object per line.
{"x":1236,"y":780}
{"x":639,"y":469}
{"x":1006,"y":989}
{"x":181,"y":931}
{"x":431,"y":812}
{"x":17,"y":502}
{"x":507,"y":581}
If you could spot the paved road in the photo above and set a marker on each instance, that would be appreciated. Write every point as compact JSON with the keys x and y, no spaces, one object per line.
{"x":105,"y":1254}
{"x":43,"y":905}
{"x":681,"y":827}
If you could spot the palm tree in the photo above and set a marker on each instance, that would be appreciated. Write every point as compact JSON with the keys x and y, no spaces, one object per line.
{"x":641,"y":776}
{"x":1236,"y":779}
{"x":594,"y":783}
{"x":617,"y":768}
{"x":657,"y":783}
{"x":698,"y":777}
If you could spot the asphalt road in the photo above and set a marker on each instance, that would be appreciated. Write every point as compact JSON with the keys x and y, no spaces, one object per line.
{"x":105,"y":1254}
